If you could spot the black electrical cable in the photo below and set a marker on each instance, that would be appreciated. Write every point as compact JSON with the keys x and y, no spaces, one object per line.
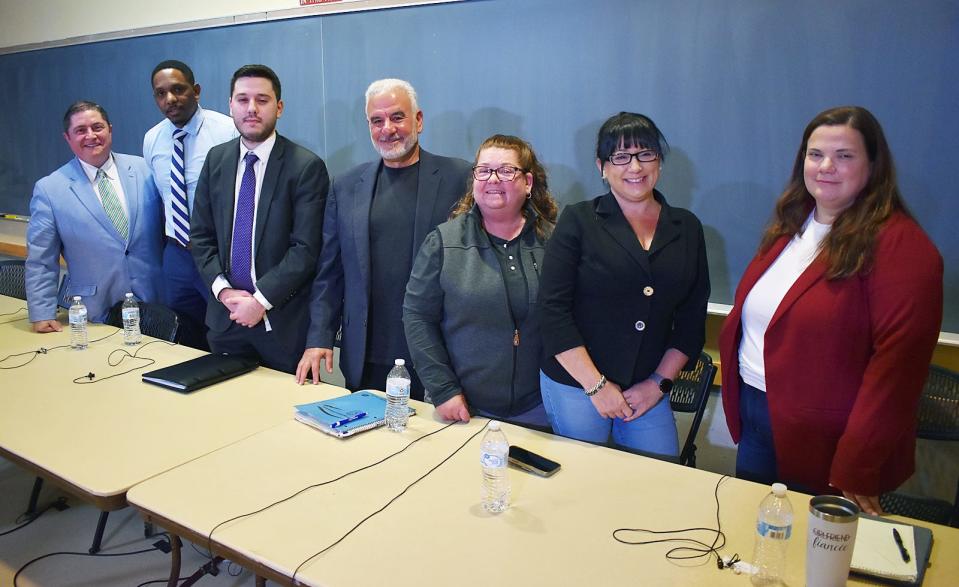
{"x":209,"y":537}
{"x":390,"y":502}
{"x":33,"y":355}
{"x":125,"y":354}
{"x":31,"y":518}
{"x":43,"y":351}
{"x":701,"y":550}
{"x":17,"y":311}
{"x":153,"y":581}
{"x":20,"y":571}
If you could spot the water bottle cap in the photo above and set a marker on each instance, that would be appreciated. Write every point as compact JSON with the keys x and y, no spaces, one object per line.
{"x":779,"y":489}
{"x":130,"y":295}
{"x":494,"y":425}
{"x":400,"y":362}
{"x":76,"y":298}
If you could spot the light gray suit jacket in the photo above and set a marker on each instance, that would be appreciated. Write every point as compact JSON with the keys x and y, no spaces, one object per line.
{"x":66,"y":218}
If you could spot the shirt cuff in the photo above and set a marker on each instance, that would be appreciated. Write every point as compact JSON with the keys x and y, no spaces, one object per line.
{"x":263,"y":301}
{"x":219,"y":284}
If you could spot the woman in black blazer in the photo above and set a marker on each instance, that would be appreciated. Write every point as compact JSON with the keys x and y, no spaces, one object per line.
{"x":623,"y":299}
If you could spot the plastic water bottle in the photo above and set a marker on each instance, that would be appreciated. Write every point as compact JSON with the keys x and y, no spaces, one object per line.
{"x":131,"y":321}
{"x":78,"y":325}
{"x":773,"y":529}
{"x":494,"y":455}
{"x":397,"y":397}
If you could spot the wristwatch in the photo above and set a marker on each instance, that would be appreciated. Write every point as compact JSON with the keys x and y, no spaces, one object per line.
{"x":665,"y":385}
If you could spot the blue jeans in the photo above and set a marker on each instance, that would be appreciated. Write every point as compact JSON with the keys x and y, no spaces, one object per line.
{"x":756,"y":456}
{"x":572,"y":414}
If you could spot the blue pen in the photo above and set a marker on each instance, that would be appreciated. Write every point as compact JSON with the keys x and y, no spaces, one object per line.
{"x":352,"y":418}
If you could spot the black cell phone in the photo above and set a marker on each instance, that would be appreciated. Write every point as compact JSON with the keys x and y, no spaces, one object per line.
{"x":532,"y":462}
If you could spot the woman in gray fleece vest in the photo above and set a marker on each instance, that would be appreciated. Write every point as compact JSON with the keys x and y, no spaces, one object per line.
{"x":470,"y":309}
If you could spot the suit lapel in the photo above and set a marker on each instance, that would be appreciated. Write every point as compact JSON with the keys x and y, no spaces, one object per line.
{"x":223,"y":197}
{"x":361,"y":208}
{"x":812,"y":275}
{"x":268,"y":190}
{"x":427,"y":190}
{"x":131,"y":190}
{"x":666,"y":228}
{"x":82,"y":188}
{"x":615,"y":224}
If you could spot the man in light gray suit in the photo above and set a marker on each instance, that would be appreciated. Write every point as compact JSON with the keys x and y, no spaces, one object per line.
{"x":377,"y":216}
{"x":101,"y":211}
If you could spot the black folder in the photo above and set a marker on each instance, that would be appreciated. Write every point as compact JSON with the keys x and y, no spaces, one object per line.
{"x":200,"y":372}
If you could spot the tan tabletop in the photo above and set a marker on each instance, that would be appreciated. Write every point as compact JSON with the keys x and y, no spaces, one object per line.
{"x":557,"y":532}
{"x":100,"y":439}
{"x":13,"y":237}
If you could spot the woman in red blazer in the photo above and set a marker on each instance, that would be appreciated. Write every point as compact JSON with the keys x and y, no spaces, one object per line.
{"x":826,"y":349}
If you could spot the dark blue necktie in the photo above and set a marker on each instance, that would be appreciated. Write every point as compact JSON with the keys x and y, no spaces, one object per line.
{"x":241,"y":255}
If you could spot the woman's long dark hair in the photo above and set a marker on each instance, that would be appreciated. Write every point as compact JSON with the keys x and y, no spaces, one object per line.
{"x":849,"y":246}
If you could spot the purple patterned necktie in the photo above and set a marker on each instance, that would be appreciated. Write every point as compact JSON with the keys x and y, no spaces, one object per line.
{"x":241,"y":255}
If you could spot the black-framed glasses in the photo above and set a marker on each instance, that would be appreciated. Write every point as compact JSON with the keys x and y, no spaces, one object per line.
{"x":504,"y":173}
{"x":624,"y":158}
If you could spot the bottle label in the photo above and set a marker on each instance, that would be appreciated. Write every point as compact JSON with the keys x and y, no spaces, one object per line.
{"x":492,"y":460}
{"x":78,"y":317}
{"x":131,"y":313}
{"x":773,"y":531}
{"x":398,"y":387}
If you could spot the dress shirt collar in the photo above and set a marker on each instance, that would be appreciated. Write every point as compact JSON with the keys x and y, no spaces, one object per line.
{"x":109,"y":168}
{"x":262,"y":151}
{"x":192,"y":127}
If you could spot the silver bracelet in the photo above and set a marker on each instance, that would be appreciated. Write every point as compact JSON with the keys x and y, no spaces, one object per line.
{"x":595,"y":389}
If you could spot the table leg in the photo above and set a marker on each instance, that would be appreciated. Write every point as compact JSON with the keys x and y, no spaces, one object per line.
{"x":34,"y":497}
{"x":260,"y":581}
{"x":175,"y":545}
{"x":98,"y":535}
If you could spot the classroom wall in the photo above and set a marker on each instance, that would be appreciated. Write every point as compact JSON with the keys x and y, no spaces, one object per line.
{"x":51,"y":21}
{"x":731,"y":84}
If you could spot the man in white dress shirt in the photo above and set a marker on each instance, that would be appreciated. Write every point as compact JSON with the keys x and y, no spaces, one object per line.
{"x":175,"y":150}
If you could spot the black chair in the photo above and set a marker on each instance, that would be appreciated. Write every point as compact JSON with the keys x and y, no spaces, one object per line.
{"x":689,"y":394}
{"x":938,"y":420}
{"x":12,"y":279}
{"x":155,"y":320}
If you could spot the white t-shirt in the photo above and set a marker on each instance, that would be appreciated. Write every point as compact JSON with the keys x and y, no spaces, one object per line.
{"x":764,"y":298}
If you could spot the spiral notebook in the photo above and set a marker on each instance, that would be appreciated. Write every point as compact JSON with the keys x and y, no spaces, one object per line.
{"x":876,"y":554}
{"x":345,"y":415}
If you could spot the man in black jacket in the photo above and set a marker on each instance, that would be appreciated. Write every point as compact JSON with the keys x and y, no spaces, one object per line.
{"x":255,"y":228}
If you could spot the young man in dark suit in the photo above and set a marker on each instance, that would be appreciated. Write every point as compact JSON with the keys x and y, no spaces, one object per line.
{"x":255,"y":228}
